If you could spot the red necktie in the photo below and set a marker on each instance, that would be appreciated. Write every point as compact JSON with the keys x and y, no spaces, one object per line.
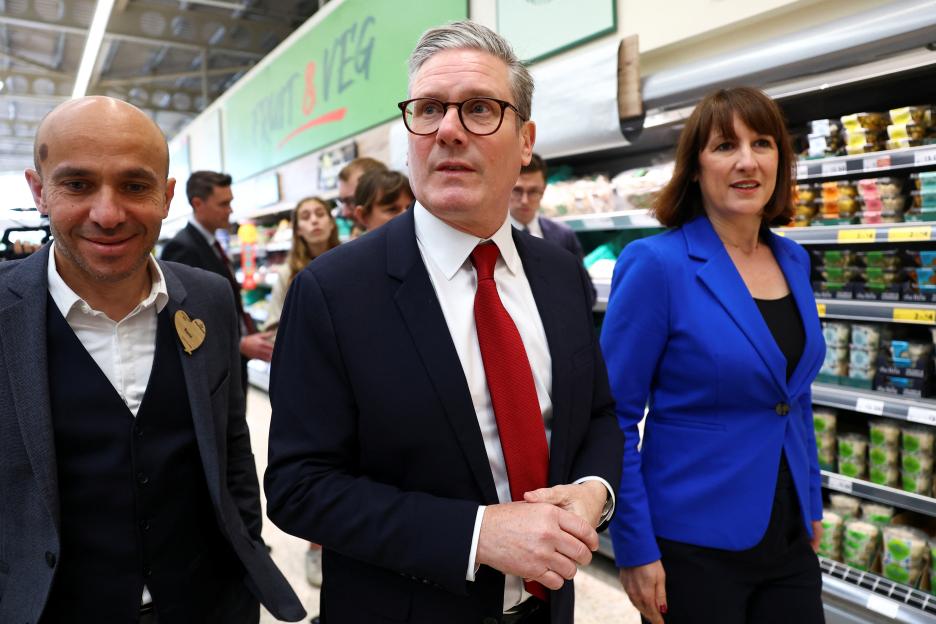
{"x":249,"y":326}
{"x":513,"y":392}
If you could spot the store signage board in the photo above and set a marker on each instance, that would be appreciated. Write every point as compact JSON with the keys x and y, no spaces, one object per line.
{"x":543,"y":28}
{"x":339,"y":78}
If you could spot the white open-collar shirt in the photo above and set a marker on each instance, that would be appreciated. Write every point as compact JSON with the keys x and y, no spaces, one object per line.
{"x":446,"y":253}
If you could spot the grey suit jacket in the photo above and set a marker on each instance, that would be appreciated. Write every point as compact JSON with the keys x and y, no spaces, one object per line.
{"x":29,"y":502}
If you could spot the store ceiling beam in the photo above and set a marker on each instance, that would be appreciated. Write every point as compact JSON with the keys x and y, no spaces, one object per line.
{"x":173,"y":25}
{"x":138,"y":80}
{"x":15,"y":78}
{"x":38,"y":99}
{"x":35,"y":65}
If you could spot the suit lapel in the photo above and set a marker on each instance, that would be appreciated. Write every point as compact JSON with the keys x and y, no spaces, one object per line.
{"x":23,"y":335}
{"x":194,"y":367}
{"x":814,"y":347}
{"x":722,"y":279}
{"x":422,"y":314}
{"x":550,"y":301}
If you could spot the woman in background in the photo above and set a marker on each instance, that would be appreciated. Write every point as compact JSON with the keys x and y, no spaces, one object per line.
{"x":381,"y":196}
{"x":314,"y":232}
{"x":713,"y":324}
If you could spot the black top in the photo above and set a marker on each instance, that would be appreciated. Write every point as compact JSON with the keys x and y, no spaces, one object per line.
{"x":783,"y":319}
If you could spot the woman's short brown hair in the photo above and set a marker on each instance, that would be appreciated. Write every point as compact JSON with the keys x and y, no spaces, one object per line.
{"x":380,"y":186}
{"x":681,"y":199}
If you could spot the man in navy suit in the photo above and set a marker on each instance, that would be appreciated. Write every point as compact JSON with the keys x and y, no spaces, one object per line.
{"x":442,"y":422}
{"x":130,"y":491}
{"x":524,"y":213}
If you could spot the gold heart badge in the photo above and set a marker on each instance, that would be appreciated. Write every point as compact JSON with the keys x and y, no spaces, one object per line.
{"x":191,"y":333}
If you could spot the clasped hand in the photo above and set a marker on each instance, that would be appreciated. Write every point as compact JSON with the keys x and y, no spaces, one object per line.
{"x":545,"y":537}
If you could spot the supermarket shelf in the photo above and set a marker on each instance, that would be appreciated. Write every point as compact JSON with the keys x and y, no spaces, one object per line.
{"x":872,"y":162}
{"x":603,"y":289}
{"x":258,"y":374}
{"x":621,"y":220}
{"x":921,"y":411}
{"x":908,"y":232}
{"x":873,"y":596}
{"x":269,"y":247}
{"x":879,"y":493}
{"x":881,"y":311}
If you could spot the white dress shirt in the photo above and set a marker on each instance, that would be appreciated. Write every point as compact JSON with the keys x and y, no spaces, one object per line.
{"x":533,"y":227}
{"x":446,"y":253}
{"x":123,"y":350}
{"x":209,"y":236}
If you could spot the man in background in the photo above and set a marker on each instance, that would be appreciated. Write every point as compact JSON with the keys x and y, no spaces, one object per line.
{"x":524,"y":213}
{"x":129,"y":488}
{"x":210,"y":196}
{"x":348,"y":179}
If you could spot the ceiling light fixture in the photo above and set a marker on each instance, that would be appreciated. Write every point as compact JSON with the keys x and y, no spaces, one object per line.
{"x":102,"y":13}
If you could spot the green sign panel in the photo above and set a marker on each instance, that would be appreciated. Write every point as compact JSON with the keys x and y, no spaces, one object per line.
{"x":339,"y":78}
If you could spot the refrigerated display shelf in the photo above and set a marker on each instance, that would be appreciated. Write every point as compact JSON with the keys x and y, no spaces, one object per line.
{"x":905,"y":232}
{"x":621,"y":220}
{"x":881,"y":311}
{"x":879,"y":493}
{"x":921,"y":411}
{"x":877,"y":163}
{"x":864,"y":590}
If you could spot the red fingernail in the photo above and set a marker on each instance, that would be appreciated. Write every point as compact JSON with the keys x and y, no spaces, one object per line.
{"x":663,"y":609}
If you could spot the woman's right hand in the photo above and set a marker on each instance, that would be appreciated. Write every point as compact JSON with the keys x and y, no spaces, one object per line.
{"x":646,"y":587}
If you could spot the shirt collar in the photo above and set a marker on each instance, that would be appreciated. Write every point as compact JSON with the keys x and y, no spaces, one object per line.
{"x":65,"y":298}
{"x":449,"y":248}
{"x":209,"y":236}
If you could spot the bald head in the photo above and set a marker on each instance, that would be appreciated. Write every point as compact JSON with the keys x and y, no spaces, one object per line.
{"x":98,"y":115}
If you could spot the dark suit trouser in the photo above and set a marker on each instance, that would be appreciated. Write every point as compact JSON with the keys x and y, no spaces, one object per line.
{"x":235,"y":605}
{"x":778,"y":581}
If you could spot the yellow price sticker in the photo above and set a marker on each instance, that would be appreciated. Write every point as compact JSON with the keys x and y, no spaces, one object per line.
{"x":909,"y":234}
{"x":915,"y":315}
{"x":820,"y":308}
{"x":857,"y":236}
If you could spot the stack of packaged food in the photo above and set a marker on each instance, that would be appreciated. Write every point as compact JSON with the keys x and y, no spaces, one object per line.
{"x":865,"y":132}
{"x":837,"y":203}
{"x":862,"y":352}
{"x":884,"y":453}
{"x":852,"y":455}
{"x":881,"y":200}
{"x":836,"y":336}
{"x":825,"y":138}
{"x":910,"y":126}
{"x":922,"y":197}
{"x":824,"y":426}
{"x":905,"y":550}
{"x":916,"y":459}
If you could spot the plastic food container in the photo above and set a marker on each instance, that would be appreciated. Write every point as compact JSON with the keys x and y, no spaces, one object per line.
{"x":830,"y":545}
{"x":885,"y":258}
{"x":869,"y":337}
{"x":859,"y":543}
{"x":916,"y":483}
{"x":870,"y":121}
{"x":836,"y":334}
{"x":863,"y":148}
{"x":925,"y":200}
{"x":806,"y":193}
{"x":904,"y":553}
{"x":925,"y":259}
{"x":876,"y":512}
{"x":924,"y":180}
{"x":884,"y":475}
{"x":884,"y":433}
{"x":912,"y":131}
{"x":916,"y":439}
{"x":916,"y":463}
{"x":861,"y":359}
{"x":922,"y":115}
{"x":838,"y":258}
{"x":893,"y":144}
{"x":884,"y":455}
{"x":824,"y":421}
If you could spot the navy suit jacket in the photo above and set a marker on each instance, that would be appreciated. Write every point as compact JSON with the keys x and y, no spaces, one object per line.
{"x":29,"y":513}
{"x":565,"y":237}
{"x":375,"y":447}
{"x":683,"y":330}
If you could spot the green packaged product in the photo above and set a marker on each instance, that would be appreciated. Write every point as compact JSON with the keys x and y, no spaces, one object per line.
{"x":859,"y":544}
{"x":884,"y":433}
{"x":904,"y":552}
{"x":916,"y":439}
{"x":830,"y":544}
{"x":876,"y":513}
{"x":824,"y":420}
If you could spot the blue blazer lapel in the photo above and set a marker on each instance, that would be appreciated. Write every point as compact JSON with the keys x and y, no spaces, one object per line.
{"x":422,"y":314}
{"x":550,"y":300}
{"x":722,"y":279}
{"x":797,"y":277}
{"x":196,"y":384}
{"x":23,"y":335}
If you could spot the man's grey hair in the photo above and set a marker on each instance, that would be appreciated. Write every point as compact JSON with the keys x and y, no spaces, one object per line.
{"x":469,"y":35}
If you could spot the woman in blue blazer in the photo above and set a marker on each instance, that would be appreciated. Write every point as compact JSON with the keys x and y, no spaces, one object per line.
{"x":713,"y":325}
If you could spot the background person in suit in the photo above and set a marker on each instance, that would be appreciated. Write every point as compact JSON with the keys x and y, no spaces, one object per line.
{"x":524,"y":205}
{"x":348,"y":179}
{"x":715,"y":323}
{"x":209,"y":193}
{"x":444,"y":439}
{"x":130,"y":489}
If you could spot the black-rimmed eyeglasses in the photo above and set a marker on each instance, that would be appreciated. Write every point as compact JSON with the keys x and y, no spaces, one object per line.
{"x":480,"y":116}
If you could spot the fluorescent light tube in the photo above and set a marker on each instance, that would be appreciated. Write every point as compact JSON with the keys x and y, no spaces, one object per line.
{"x":102,"y":13}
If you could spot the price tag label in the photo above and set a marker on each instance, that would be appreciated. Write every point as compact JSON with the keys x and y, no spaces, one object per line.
{"x":857,"y":236}
{"x":601,"y":223}
{"x":876,"y":162}
{"x":869,"y":406}
{"x":925,"y":157}
{"x":820,"y":308}
{"x":834,"y":168}
{"x":880,"y":604}
{"x":915,"y":315}
{"x":921,"y":415}
{"x":840,"y":484}
{"x":802,"y":171}
{"x":910,"y":234}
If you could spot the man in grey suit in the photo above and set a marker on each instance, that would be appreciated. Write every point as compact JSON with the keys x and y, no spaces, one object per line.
{"x":524,"y":208}
{"x":128,"y":483}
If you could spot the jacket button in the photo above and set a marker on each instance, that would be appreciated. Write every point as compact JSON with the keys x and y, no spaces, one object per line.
{"x":142,"y":479}
{"x":782,"y":409}
{"x":147,"y":572}
{"x":145,"y":525}
{"x":50,"y":559}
